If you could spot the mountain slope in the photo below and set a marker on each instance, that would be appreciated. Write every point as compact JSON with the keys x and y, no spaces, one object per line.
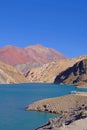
{"x":8,"y":74}
{"x":13,"y":55}
{"x":75,"y":75}
{"x":48,"y":72}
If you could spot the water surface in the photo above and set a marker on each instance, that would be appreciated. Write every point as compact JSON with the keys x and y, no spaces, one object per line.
{"x":14,"y":99}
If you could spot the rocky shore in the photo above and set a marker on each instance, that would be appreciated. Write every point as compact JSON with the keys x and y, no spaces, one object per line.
{"x":67,"y":119}
{"x":59,"y":104}
{"x":72,"y":107}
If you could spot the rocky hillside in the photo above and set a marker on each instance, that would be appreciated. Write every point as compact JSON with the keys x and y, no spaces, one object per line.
{"x":74,"y":75}
{"x":70,"y":71}
{"x":48,"y":72}
{"x":8,"y":74}
{"x":24,"y":68}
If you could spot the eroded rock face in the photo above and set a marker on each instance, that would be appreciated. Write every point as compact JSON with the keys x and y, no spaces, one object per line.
{"x":75,"y":75}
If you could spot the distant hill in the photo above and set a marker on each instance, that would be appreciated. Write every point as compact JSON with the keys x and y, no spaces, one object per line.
{"x":71,"y":71}
{"x":8,"y":75}
{"x":13,"y":55}
{"x":35,"y":56}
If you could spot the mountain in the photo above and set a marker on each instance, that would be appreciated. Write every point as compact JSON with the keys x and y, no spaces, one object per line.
{"x":13,"y":55}
{"x":32,"y":56}
{"x":8,"y":75}
{"x":74,"y":75}
{"x":54,"y":71}
{"x":60,"y":71}
{"x":24,"y":68}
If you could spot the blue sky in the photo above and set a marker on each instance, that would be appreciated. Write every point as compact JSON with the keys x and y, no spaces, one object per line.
{"x":58,"y":24}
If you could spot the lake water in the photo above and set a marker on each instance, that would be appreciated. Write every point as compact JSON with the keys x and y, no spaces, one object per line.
{"x":14,"y":99}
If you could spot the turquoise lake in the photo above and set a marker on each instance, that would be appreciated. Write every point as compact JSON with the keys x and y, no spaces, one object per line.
{"x":14,"y":99}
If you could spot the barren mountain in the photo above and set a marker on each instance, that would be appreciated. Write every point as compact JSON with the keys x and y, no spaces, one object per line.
{"x":48,"y":66}
{"x":32,"y":56}
{"x":48,"y":72}
{"x":8,"y":74}
{"x":13,"y":55}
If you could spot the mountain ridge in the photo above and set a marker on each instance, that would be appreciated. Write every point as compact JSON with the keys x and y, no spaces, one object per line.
{"x":14,"y":55}
{"x":25,"y":58}
{"x":49,"y":72}
{"x":41,"y":64}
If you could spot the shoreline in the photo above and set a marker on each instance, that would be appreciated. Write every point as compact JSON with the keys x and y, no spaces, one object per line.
{"x":59,"y":104}
{"x":69,"y":106}
{"x":69,"y":121}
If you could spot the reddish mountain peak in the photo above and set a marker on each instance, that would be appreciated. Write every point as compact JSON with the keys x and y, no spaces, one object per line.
{"x":12,"y":55}
{"x":35,"y":46}
{"x":36,"y":53}
{"x":9,"y":48}
{"x":38,"y":45}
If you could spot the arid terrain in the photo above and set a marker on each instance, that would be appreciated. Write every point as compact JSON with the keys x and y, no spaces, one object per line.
{"x":32,"y":56}
{"x":70,"y":71}
{"x":10,"y":75}
{"x":40,"y":64}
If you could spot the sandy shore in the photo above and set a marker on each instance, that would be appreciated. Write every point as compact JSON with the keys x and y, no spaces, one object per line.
{"x":81,"y":93}
{"x":77,"y":125}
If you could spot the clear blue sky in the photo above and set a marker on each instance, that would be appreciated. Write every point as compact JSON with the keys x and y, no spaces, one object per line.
{"x":58,"y":24}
